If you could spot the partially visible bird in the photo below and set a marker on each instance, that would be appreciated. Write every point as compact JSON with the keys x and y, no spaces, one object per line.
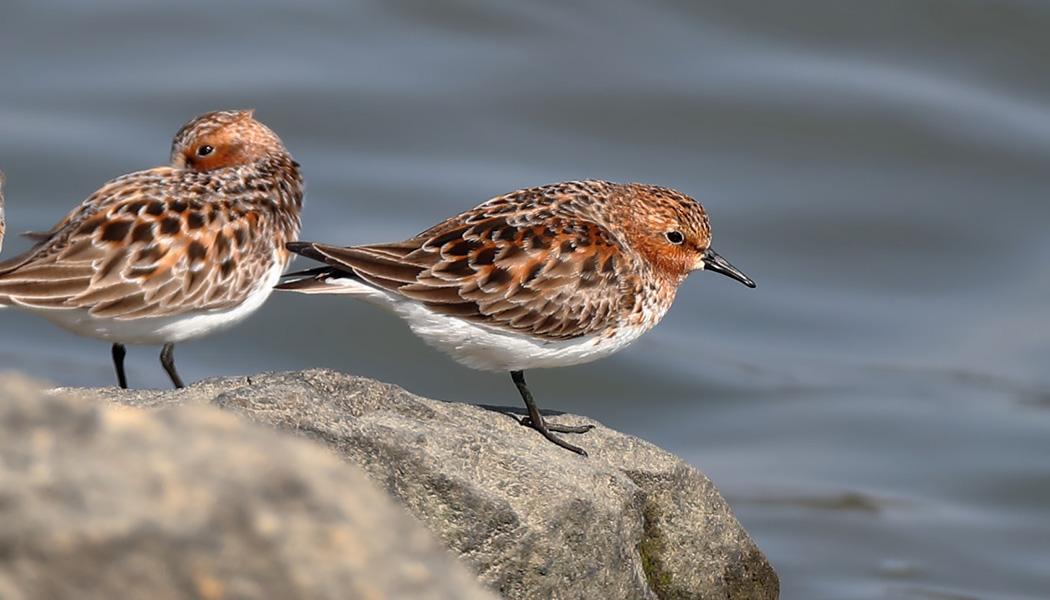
{"x":3,"y":227}
{"x":545,"y":277}
{"x":172,"y":253}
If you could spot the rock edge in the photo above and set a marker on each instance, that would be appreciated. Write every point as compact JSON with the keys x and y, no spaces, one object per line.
{"x":531,"y":519}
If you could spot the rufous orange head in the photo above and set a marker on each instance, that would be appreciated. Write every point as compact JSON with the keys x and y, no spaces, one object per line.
{"x":224,"y":139}
{"x":672,"y":231}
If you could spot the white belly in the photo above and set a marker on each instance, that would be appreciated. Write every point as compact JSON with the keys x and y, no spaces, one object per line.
{"x":486,"y":348}
{"x":160,"y":330}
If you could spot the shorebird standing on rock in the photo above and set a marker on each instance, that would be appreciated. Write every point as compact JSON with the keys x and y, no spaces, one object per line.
{"x":169,"y":254}
{"x":546,"y":277}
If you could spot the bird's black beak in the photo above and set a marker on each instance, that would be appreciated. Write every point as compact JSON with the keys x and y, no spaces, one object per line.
{"x":714,"y":262}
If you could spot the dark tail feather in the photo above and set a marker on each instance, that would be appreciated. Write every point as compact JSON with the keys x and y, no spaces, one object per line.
{"x":306,"y":284}
{"x":306,"y":249}
{"x":315,"y":280}
{"x":309,"y":273}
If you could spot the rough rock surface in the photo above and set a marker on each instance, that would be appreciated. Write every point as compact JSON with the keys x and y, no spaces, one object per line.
{"x":106,"y":502}
{"x":532,"y":519}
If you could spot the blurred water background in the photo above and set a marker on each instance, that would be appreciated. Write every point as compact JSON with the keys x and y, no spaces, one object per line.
{"x":877,"y":411}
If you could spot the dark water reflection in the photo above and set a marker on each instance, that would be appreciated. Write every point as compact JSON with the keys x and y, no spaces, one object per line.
{"x":876,"y":411}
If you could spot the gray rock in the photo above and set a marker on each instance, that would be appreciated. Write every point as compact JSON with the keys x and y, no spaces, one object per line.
{"x":101,"y":502}
{"x":532,"y":519}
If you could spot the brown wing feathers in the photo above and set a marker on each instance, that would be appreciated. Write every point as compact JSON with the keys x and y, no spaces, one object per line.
{"x":141,"y":254}
{"x":539,"y":278}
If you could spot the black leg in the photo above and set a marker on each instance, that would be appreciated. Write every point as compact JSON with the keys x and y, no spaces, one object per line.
{"x":167,"y":359}
{"x":119,"y":352}
{"x":535,"y":419}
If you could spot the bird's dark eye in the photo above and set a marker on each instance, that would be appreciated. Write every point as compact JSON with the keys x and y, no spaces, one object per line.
{"x":675,"y":237}
{"x":204,"y":150}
